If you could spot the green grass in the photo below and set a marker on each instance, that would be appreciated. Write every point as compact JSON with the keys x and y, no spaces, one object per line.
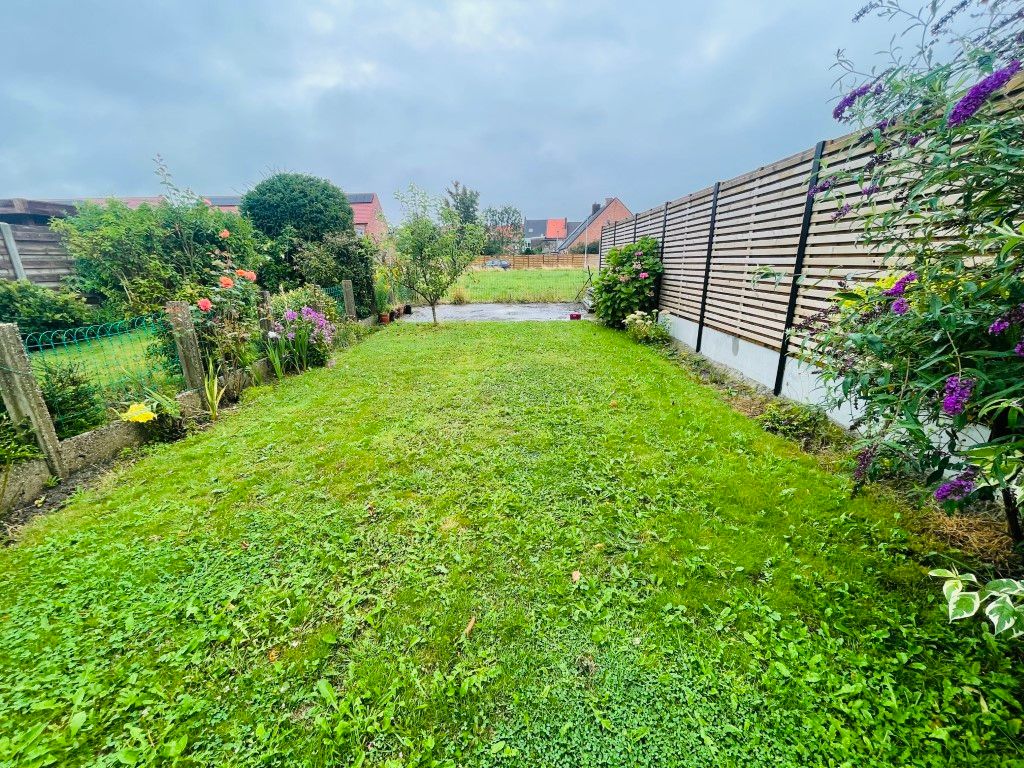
{"x":113,"y":363}
{"x":292,"y":586}
{"x":481,"y":286}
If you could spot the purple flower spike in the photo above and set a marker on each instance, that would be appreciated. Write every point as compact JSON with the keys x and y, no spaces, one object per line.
{"x":900,"y":286}
{"x":842,"y":212}
{"x":900,"y":306}
{"x":958,"y":392}
{"x":1019,"y":349}
{"x":959,"y":487}
{"x":973,"y":100}
{"x":839,"y":113}
{"x":999,"y":326}
{"x":291,"y":315}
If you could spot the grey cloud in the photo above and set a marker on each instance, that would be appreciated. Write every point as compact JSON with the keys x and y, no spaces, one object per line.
{"x":547,"y":105}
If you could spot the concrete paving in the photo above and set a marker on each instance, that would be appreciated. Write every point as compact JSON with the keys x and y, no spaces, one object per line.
{"x":502,"y":312}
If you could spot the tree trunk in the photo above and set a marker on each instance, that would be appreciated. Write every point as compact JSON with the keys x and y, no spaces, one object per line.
{"x":433,"y":311}
{"x":1001,"y":428}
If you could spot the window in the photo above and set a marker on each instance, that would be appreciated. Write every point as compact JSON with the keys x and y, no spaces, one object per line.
{"x":360,"y":230}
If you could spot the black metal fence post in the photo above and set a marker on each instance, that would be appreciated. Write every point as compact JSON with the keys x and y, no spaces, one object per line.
{"x":798,"y":267}
{"x":707,"y":266}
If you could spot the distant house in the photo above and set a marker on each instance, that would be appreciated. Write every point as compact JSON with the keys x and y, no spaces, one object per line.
{"x":546,"y":234}
{"x":589,"y":231}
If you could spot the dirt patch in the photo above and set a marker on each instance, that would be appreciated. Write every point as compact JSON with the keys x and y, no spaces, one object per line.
{"x":51,"y":500}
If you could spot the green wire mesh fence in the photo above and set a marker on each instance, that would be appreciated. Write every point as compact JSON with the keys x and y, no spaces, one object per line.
{"x":86,"y":374}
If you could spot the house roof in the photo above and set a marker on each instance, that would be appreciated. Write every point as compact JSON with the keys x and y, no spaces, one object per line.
{"x":581,"y":227}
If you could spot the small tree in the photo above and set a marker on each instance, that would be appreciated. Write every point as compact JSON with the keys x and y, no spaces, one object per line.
{"x":464,"y":201}
{"x":433,"y":247}
{"x":504,"y":229}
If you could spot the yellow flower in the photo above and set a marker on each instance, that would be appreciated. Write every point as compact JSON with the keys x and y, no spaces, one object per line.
{"x":887,"y":282}
{"x":140,"y":413}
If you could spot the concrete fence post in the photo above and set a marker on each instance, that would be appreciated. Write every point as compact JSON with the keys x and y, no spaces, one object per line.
{"x":24,"y":400}
{"x":350,"y":298}
{"x":185,"y":340}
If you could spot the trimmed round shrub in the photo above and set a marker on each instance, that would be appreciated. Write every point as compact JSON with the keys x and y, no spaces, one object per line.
{"x":304,"y":205}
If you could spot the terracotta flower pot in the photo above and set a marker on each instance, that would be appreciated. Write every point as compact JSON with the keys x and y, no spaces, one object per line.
{"x":384,"y":318}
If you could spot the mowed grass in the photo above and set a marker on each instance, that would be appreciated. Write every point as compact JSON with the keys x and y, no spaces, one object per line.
{"x":489,"y":545}
{"x":512,"y":286}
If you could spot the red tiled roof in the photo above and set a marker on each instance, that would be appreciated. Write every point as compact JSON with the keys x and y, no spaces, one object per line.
{"x":556,"y":229}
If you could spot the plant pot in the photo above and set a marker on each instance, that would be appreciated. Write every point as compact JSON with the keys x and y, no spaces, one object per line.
{"x":394,"y":314}
{"x":407,"y":309}
{"x":384,"y":318}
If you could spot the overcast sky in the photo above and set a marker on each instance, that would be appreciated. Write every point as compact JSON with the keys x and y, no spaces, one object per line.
{"x":545,"y":105}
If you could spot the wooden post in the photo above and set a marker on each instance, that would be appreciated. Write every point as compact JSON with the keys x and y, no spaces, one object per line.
{"x":350,"y":299}
{"x":707,"y":265}
{"x":185,"y":340}
{"x":24,"y":400}
{"x":798,"y":268}
{"x":12,"y":251}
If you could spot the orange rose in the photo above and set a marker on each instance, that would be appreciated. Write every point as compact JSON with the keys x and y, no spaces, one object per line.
{"x":205,"y":305}
{"x":240,"y":272}
{"x":250,"y":276}
{"x":226,"y":282}
{"x":225,"y":234}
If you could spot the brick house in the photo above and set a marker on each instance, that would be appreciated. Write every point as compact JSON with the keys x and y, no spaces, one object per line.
{"x":589,"y":231}
{"x":545,"y":234}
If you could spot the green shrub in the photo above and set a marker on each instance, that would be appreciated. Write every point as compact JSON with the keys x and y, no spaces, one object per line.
{"x":37,"y":309}
{"x":647,"y":328}
{"x":628,"y":282}
{"x":341,"y":256}
{"x":136,"y":260}
{"x":806,"y":425}
{"x":75,"y":403}
{"x":309,"y":207}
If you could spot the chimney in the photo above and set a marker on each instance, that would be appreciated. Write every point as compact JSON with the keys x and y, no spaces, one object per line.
{"x":595,"y":208}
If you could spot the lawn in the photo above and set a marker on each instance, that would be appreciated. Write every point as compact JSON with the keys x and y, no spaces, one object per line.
{"x":489,"y":545}
{"x":515,"y":286}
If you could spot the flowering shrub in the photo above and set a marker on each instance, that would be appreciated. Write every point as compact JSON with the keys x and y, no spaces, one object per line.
{"x":226,"y":317}
{"x":936,"y":346}
{"x":647,"y":328}
{"x":628,"y":281}
{"x":301,"y":339}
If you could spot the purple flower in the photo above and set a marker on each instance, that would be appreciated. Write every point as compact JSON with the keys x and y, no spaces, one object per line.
{"x":958,"y":392}
{"x":865,"y":10}
{"x":291,"y":336}
{"x":959,"y":487}
{"x":915,"y":139}
{"x":999,"y":326}
{"x":940,"y":25}
{"x":864,"y":459}
{"x":1019,"y":349}
{"x":846,"y":208}
{"x":900,"y":286}
{"x":979,"y":93}
{"x":291,"y":315}
{"x":839,"y":113}
{"x":900,"y":306}
{"x":822,"y":186}
{"x":870,"y":190}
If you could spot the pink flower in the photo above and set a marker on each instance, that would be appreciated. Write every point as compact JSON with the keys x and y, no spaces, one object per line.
{"x":644,"y":275}
{"x":250,"y":276}
{"x":623,"y":278}
{"x":205,"y":305}
{"x":226,"y":282}
{"x":224,"y":234}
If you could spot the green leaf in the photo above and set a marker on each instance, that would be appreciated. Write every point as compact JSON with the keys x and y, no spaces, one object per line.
{"x":963,"y":604}
{"x":1002,"y":613}
{"x":77,"y":721}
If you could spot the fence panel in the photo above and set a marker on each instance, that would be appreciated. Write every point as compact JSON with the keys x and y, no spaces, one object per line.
{"x":757,"y":229}
{"x":684,"y":254}
{"x":85,"y":372}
